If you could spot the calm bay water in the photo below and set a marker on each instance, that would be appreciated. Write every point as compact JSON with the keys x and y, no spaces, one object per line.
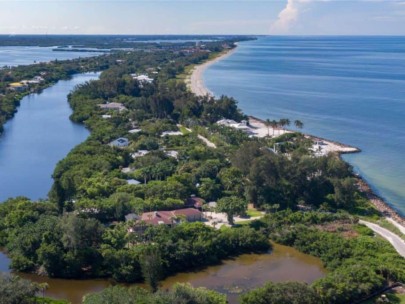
{"x":24,"y":55}
{"x":349,"y":89}
{"x":38,"y":137}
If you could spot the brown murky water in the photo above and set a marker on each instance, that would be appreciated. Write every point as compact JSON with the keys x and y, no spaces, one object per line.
{"x":231,"y":277}
{"x":253,"y":270}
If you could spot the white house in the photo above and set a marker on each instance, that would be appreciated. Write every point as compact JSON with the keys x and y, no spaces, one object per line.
{"x":139,"y":153}
{"x":171,"y":133}
{"x":113,"y":106}
{"x":172,"y":153}
{"x":133,"y":182}
{"x":142,"y":78}
{"x":120,"y":142}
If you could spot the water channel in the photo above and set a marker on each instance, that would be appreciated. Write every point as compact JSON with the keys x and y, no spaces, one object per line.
{"x":38,"y":137}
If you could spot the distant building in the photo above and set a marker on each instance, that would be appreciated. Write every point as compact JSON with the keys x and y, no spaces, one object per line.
{"x":120,"y":142}
{"x":194,"y":202}
{"x":127,"y":170}
{"x":132,"y":217}
{"x":171,"y":217}
{"x":134,"y":131}
{"x":142,"y":78}
{"x":212,"y":205}
{"x":18,"y":87}
{"x":172,"y":153}
{"x":171,"y":133}
{"x":113,"y":106}
{"x":243,"y":125}
{"x":133,"y":182}
{"x":139,"y":153}
{"x":35,"y":80}
{"x":106,"y":116}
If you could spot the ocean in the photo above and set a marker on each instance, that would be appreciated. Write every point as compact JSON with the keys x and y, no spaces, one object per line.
{"x":348,"y":89}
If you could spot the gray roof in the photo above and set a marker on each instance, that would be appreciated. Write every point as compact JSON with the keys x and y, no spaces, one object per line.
{"x":133,"y":182}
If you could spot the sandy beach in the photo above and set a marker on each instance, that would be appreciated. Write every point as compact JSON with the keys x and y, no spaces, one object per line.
{"x":195,"y":81}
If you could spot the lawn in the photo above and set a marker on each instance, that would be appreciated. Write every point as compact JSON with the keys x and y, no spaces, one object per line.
{"x":253,"y":212}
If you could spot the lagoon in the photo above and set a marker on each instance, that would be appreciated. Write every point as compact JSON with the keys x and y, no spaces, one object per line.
{"x":39,"y":136}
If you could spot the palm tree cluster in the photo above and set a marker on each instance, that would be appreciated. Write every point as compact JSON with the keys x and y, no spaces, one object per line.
{"x":283,"y":122}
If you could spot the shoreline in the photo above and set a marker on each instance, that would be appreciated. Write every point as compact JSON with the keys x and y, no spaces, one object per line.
{"x":195,"y":83}
{"x":194,"y":80}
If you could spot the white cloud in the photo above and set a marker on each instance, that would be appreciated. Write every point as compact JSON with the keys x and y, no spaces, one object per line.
{"x":288,"y":16}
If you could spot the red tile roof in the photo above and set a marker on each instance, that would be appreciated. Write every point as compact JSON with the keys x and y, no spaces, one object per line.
{"x":167,"y":217}
{"x":195,"y":202}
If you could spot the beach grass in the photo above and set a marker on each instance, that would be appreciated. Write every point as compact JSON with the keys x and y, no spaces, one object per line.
{"x":253,"y":213}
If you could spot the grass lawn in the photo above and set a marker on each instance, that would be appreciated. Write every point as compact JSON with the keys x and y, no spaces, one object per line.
{"x":253,"y":213}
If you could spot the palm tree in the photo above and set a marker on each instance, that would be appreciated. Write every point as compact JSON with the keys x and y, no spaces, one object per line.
{"x":268,"y":124}
{"x":274,"y":125}
{"x":298,"y":124}
{"x":284,"y":122}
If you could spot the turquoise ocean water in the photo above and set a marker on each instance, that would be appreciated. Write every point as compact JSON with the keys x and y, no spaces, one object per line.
{"x":348,"y":89}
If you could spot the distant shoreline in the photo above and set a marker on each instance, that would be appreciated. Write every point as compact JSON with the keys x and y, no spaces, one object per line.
{"x":195,"y":83}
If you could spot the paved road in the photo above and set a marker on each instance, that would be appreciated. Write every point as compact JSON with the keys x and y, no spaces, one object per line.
{"x":207,"y":142}
{"x":396,"y":241}
{"x":399,"y":226}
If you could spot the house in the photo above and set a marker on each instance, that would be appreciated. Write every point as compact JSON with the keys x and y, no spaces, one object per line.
{"x":132,"y":217}
{"x":172,"y":217}
{"x":139,"y":153}
{"x":194,"y":202}
{"x":18,"y":86}
{"x":212,"y":205}
{"x":113,"y":106}
{"x":127,"y":170}
{"x":171,"y":133}
{"x":142,"y":78}
{"x":243,"y":125}
{"x":120,"y":142}
{"x":35,"y":80}
{"x":189,"y":214}
{"x":226,"y":122}
{"x":133,"y":182}
{"x":106,"y":116}
{"x":134,"y":131}
{"x":172,"y":153}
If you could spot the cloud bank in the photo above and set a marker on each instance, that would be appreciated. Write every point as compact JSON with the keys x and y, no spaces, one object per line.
{"x":288,"y":16}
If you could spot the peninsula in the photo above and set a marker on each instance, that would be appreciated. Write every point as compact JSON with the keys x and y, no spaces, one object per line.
{"x":170,"y":181}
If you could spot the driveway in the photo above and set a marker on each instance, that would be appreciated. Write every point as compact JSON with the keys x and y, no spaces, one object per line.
{"x":395,"y":240}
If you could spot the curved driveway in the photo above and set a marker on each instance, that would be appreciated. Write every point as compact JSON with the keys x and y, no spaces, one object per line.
{"x":395,"y":240}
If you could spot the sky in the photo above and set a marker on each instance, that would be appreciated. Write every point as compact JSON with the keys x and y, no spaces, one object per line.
{"x":260,"y":17}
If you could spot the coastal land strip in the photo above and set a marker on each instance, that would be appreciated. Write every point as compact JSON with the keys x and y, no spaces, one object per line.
{"x":195,"y":83}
